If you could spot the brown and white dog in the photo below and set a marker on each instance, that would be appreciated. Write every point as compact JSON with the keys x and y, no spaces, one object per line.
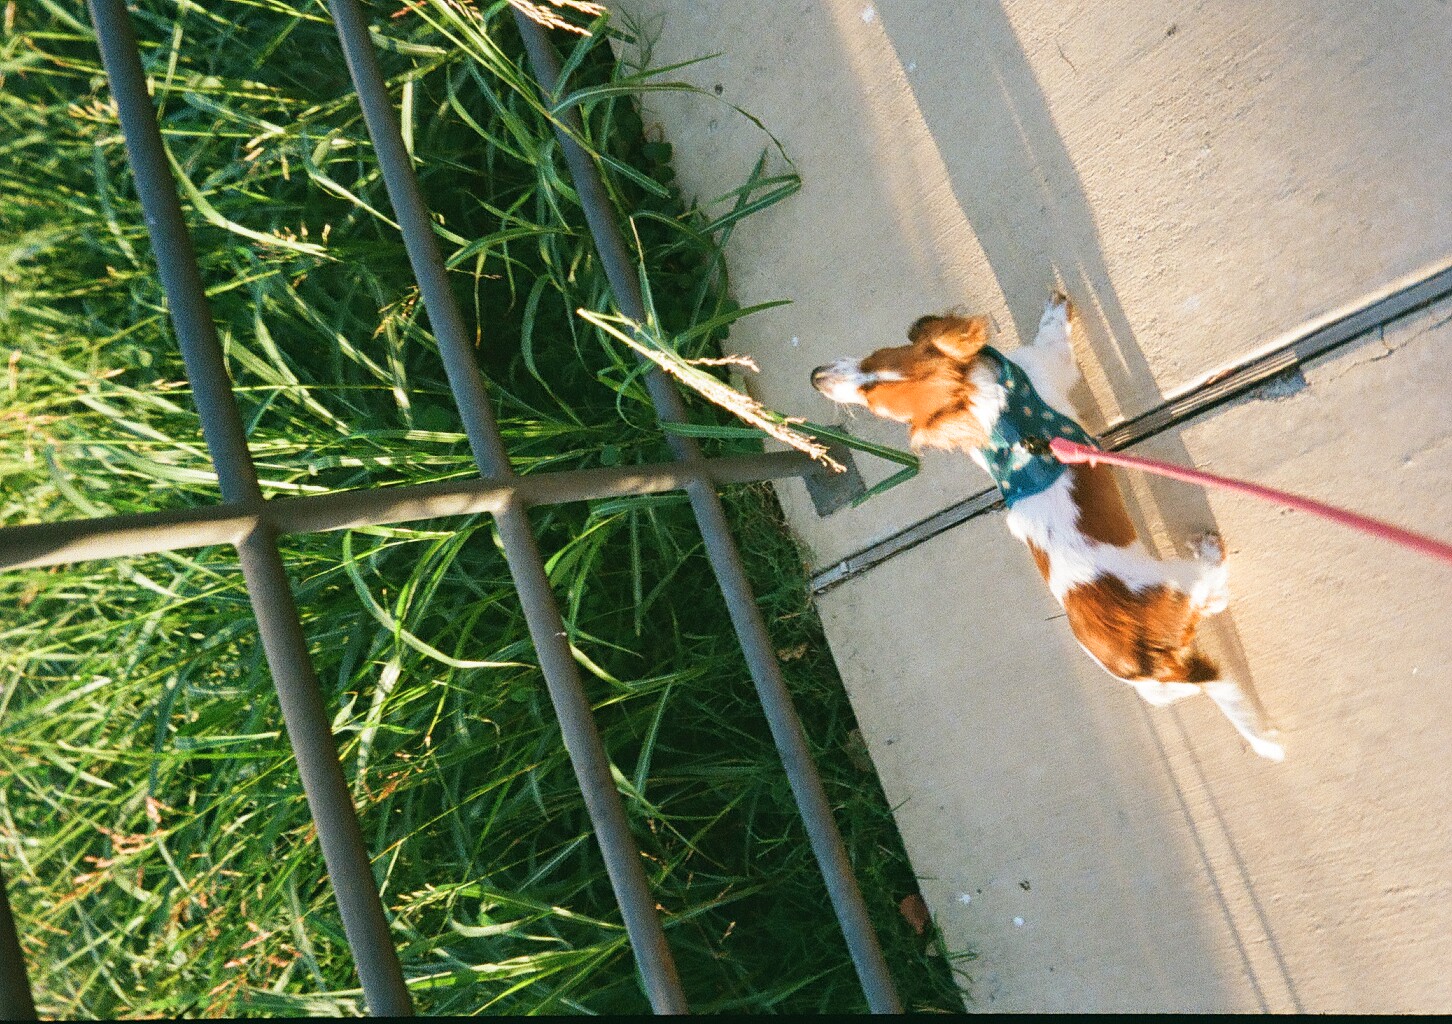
{"x":1134,"y":614}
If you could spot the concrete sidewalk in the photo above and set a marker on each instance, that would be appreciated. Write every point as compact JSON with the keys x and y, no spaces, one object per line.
{"x":1205,"y":181}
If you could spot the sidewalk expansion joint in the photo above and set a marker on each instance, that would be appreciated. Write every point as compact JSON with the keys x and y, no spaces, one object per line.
{"x":1277,"y":363}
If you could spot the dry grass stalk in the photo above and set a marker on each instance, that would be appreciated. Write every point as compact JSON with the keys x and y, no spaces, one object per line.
{"x":543,"y":15}
{"x":715,"y":391}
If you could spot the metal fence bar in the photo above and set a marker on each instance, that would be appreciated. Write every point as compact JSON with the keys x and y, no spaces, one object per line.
{"x":547,"y":629}
{"x":297,"y":687}
{"x":16,"y":1002}
{"x":786,"y":727}
{"x":41,"y":544}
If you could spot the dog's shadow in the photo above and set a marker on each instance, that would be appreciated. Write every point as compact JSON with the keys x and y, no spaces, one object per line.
{"x":1025,"y":203}
{"x":1036,"y":217}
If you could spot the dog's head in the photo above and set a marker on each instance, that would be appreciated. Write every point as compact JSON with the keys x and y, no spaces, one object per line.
{"x":929,"y":383}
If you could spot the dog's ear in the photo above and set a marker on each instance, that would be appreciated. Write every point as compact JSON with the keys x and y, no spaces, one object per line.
{"x":958,"y":337}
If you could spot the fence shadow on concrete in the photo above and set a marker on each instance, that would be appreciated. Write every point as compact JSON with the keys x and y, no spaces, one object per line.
{"x":1018,"y":188}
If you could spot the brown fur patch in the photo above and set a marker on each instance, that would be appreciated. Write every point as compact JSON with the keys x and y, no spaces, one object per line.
{"x":914,"y":401}
{"x":952,"y":427}
{"x":1102,"y":515}
{"x":1137,"y":635}
{"x":1199,"y":669}
{"x":1041,"y":558}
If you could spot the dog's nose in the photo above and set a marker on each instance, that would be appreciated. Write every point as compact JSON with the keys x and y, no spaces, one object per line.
{"x":819,"y":377}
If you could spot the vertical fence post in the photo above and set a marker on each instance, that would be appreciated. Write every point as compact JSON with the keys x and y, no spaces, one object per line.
{"x":303,"y":708}
{"x":785,"y":725}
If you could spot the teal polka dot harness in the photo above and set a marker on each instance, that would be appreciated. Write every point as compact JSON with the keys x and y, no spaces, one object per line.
{"x":1017,"y":452}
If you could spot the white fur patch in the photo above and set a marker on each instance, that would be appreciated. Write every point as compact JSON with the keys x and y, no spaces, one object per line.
{"x":989,"y":398}
{"x":1160,"y":695}
{"x":843,"y":381}
{"x":1049,"y":520}
{"x":1234,"y":705}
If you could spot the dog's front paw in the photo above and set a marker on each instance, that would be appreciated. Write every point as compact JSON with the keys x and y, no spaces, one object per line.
{"x":1054,"y":324}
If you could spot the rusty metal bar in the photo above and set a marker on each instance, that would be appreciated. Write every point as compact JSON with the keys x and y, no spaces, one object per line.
{"x":42,"y":544}
{"x":16,"y":1002}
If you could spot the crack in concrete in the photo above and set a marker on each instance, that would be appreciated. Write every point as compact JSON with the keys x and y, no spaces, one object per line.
{"x":1388,"y":349}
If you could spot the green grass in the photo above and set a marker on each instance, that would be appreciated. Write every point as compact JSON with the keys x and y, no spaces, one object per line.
{"x":158,"y":848}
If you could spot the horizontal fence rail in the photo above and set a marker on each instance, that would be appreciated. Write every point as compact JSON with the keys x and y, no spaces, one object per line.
{"x":252,"y":524}
{"x":76,"y":540}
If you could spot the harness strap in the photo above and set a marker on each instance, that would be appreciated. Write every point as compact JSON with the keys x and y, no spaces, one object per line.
{"x":1018,"y":454}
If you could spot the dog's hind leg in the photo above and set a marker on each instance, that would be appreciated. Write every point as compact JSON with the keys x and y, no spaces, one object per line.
{"x":1204,"y":579}
{"x":1190,"y":667}
{"x":1236,"y":706}
{"x":1158,"y":694}
{"x":1210,"y":591}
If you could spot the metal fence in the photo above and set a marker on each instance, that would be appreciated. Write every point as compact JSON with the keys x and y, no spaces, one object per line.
{"x":253,"y":524}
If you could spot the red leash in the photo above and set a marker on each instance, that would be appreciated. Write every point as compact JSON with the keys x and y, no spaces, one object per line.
{"x":1068,"y":452}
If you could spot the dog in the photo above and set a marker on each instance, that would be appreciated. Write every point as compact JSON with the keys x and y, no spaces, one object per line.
{"x":1134,"y":614}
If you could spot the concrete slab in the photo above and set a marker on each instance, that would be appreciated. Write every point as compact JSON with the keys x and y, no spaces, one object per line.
{"x":1155,"y":863}
{"x":1202,"y":178}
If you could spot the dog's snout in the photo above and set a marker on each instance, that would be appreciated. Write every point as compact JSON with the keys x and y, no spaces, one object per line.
{"x":840,"y":381}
